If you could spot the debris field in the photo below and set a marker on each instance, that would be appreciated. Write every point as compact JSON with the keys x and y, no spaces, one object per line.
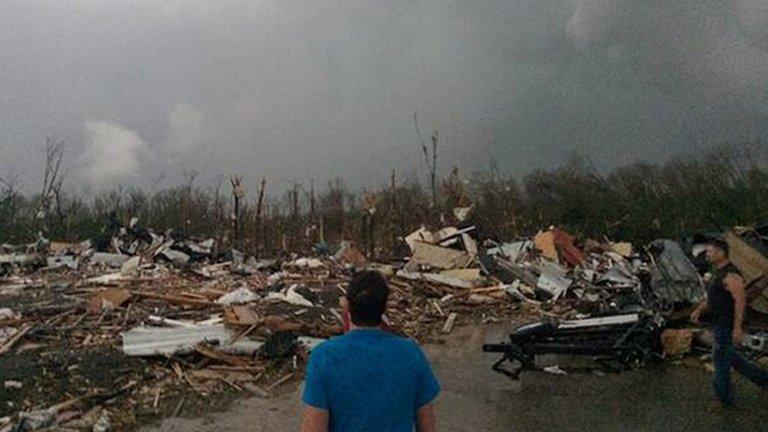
{"x":103,"y":337}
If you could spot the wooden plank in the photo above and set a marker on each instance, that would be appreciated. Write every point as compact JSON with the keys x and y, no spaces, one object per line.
{"x":175,"y":299}
{"x":211,"y":353}
{"x":278,"y":382}
{"x":448,"y":327}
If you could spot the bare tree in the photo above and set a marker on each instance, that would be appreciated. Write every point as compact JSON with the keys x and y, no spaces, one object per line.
{"x":261,"y":238}
{"x":312,"y":213}
{"x":51,"y":193}
{"x":430,"y":161}
{"x":294,"y":224}
{"x":9,"y":197}
{"x":186,"y":199}
{"x":238,"y":192}
{"x":370,"y":203}
{"x":395,"y":216}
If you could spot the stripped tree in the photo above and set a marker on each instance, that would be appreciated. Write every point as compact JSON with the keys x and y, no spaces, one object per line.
{"x":430,"y":161}
{"x":261,"y":238}
{"x":51,"y":193}
{"x":9,"y":198}
{"x":238,"y":192}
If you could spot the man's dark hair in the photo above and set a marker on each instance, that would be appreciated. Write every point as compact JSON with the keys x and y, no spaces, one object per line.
{"x":367,"y":296}
{"x":720,"y":244}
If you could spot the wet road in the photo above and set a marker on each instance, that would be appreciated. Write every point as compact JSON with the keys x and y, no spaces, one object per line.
{"x":663,"y":398}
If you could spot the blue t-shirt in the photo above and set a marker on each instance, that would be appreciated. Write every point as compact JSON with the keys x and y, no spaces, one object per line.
{"x":369,"y":380}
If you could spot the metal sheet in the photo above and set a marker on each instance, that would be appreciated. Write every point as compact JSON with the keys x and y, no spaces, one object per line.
{"x":149,"y":341}
{"x":673,"y":277}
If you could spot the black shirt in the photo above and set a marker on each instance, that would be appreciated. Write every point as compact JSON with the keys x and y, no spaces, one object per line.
{"x":719,"y":299}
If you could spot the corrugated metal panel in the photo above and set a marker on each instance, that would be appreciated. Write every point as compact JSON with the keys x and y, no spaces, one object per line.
{"x":148,"y":341}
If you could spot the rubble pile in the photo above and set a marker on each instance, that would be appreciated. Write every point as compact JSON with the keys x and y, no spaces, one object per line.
{"x":97,"y":335}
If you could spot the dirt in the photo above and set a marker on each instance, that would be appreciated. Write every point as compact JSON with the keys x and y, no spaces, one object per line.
{"x":56,"y":374}
{"x":661,"y":398}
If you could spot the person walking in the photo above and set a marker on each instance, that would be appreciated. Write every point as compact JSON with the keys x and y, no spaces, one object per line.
{"x":724,"y":308}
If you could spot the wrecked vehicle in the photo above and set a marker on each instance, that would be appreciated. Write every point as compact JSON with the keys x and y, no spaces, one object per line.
{"x":614,"y":342}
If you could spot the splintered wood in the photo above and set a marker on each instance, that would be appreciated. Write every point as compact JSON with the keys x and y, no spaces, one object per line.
{"x":448,"y":327}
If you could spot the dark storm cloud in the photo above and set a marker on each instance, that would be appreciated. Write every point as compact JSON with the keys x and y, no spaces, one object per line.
{"x":144,"y":90}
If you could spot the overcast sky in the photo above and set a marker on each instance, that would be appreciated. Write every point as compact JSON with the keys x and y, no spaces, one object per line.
{"x":296,"y":90}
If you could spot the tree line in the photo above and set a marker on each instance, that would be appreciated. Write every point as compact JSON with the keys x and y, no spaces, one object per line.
{"x":637,"y":202}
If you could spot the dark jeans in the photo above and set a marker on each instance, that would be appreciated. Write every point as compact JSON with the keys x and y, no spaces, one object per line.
{"x":724,"y":356}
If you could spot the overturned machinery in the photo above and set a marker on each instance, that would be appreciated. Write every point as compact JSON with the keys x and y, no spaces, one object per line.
{"x":615,"y":342}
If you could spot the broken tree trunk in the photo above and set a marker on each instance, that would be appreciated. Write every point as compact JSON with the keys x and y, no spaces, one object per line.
{"x":238,"y":192}
{"x":260,"y":232}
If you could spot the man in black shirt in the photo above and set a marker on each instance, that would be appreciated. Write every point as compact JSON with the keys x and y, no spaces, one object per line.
{"x":724,"y":307}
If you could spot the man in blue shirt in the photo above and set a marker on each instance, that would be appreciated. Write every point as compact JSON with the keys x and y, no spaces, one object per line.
{"x":368,"y":380}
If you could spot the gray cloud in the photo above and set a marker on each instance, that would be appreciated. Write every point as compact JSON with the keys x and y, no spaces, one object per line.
{"x":300,"y":90}
{"x":112,"y":155}
{"x":187,"y":131}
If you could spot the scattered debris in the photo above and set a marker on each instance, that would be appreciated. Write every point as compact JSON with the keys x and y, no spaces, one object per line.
{"x":438,"y":257}
{"x":290,"y":296}
{"x":166,"y":320}
{"x":677,"y":342}
{"x":13,"y":384}
{"x":554,"y":370}
{"x":108,"y":259}
{"x":753,"y":266}
{"x":108,"y":299}
{"x":282,"y":344}
{"x":350,"y":254}
{"x":103,"y":424}
{"x":239,"y":296}
{"x":8,"y":314}
{"x":757,"y":342}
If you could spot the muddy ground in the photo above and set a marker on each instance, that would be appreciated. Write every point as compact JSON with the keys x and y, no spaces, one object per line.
{"x":664,"y":397}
